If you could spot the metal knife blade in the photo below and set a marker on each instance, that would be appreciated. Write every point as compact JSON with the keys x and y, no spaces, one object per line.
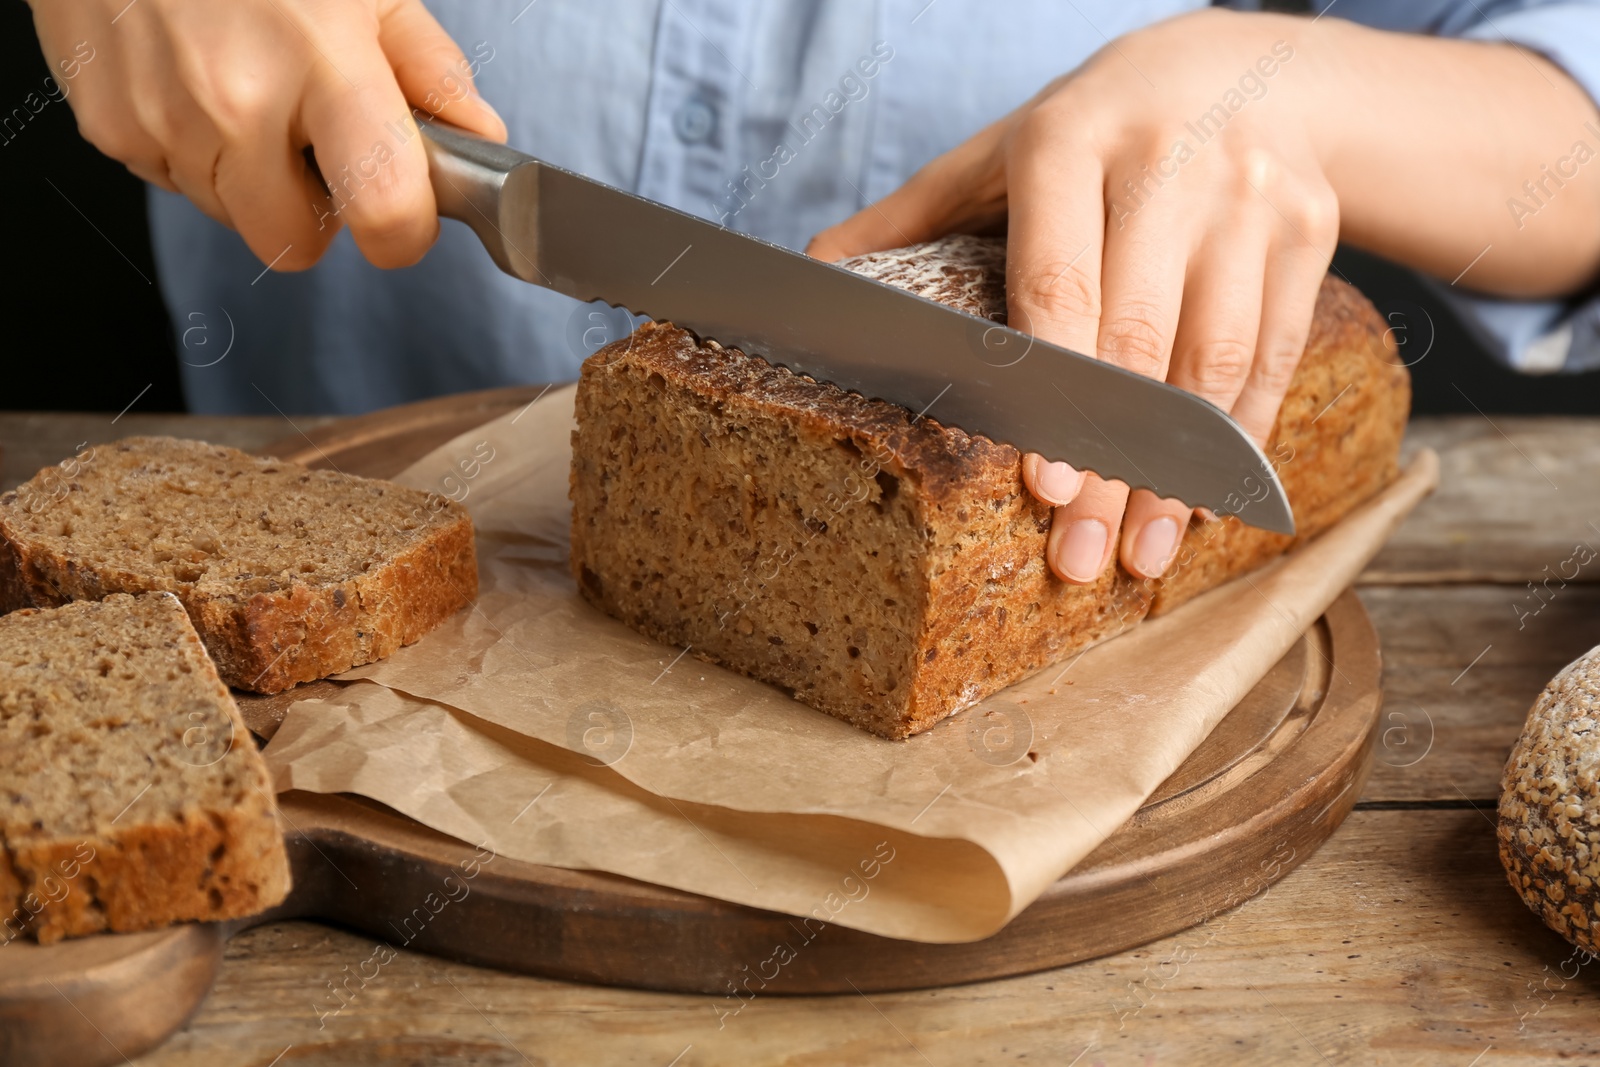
{"x":569,"y":233}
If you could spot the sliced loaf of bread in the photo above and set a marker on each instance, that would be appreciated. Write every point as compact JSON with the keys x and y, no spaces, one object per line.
{"x":131,"y":794}
{"x":289,"y":574}
{"x":884,"y":568}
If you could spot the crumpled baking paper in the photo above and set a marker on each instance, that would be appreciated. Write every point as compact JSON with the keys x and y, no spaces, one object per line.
{"x":539,"y":726}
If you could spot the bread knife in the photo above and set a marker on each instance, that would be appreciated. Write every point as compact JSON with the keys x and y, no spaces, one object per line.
{"x":560,"y":230}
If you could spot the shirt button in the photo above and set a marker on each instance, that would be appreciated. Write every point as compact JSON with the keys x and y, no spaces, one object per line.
{"x":694,"y":121}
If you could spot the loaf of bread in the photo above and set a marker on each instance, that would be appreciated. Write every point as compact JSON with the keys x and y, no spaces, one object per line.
{"x":1549,"y":826}
{"x":884,"y":568}
{"x":288,"y":574}
{"x":131,"y":794}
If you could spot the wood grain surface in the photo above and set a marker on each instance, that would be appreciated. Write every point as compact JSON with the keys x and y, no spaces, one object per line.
{"x":1397,"y":943}
{"x":1516,"y":494}
{"x":1459,"y":676}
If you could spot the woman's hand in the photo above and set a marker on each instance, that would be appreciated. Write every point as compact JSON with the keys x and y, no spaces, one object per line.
{"x":1174,"y":203}
{"x":1167,"y":213}
{"x":218,"y":100}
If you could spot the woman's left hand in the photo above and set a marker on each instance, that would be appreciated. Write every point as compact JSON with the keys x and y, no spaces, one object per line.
{"x":1178,"y":225}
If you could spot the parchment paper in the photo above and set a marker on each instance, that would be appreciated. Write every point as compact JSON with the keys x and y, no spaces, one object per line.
{"x":538,"y":725}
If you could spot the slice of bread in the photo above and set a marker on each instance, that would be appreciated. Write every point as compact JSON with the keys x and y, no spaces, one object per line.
{"x":884,"y":568}
{"x":289,"y":574}
{"x":131,"y":794}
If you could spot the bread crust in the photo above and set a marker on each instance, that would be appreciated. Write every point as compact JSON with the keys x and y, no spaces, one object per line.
{"x":267,"y":641}
{"x":227,"y":865}
{"x":988,"y":610}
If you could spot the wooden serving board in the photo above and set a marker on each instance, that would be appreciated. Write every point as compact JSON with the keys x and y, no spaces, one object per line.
{"x":1268,"y":786}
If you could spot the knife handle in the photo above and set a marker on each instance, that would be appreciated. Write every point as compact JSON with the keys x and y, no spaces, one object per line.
{"x":471,"y":178}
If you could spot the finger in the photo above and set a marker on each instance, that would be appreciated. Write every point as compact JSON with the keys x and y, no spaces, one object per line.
{"x":166,"y":110}
{"x":1053,"y":483}
{"x":192,"y":147}
{"x":963,"y":190}
{"x":1083,"y":533}
{"x":433,"y":72}
{"x":154,"y":173}
{"x":1053,"y":259}
{"x":239,"y":145}
{"x":369,"y":149}
{"x":1151,"y":529}
{"x":101,"y":106}
{"x":278,"y":204}
{"x":1212,"y":353}
{"x":1144,"y":262}
{"x":1146,"y":259}
{"x":1215,"y":343}
{"x":1295,"y":270}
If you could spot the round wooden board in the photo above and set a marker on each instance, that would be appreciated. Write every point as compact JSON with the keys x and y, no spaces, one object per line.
{"x":1268,"y":786}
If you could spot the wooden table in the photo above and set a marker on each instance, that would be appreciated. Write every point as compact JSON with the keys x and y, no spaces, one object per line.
{"x":1398,"y":943}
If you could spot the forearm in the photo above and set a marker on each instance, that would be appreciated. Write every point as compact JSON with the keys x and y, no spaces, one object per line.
{"x":1440,"y":149}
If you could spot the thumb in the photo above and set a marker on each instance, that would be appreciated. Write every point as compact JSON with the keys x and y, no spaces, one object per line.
{"x":962,"y":191}
{"x":906,"y":216}
{"x":432,"y":71}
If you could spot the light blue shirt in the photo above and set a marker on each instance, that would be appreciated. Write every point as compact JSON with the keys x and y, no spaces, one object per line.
{"x":774,"y":117}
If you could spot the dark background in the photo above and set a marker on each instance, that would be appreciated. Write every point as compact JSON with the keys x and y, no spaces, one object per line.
{"x":88,"y":332}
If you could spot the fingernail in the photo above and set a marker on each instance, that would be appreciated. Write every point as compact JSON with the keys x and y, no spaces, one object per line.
{"x":1057,"y":482}
{"x":1153,"y":548}
{"x":1082,"y":549}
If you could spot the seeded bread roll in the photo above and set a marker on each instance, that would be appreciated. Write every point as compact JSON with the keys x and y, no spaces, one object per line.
{"x":289,"y":574}
{"x":886,"y":569}
{"x":131,"y":794}
{"x":1549,"y":829}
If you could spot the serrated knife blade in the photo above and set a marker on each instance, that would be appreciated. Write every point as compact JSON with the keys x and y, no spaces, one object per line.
{"x":560,"y":230}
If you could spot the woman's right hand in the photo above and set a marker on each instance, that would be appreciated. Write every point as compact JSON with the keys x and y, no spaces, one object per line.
{"x":219,"y":100}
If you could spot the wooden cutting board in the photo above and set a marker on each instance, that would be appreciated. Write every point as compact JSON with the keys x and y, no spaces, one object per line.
{"x":1268,"y":786}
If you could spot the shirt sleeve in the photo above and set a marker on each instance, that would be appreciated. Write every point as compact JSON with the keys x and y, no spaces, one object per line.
{"x":1535,"y":337}
{"x":1543,"y":337}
